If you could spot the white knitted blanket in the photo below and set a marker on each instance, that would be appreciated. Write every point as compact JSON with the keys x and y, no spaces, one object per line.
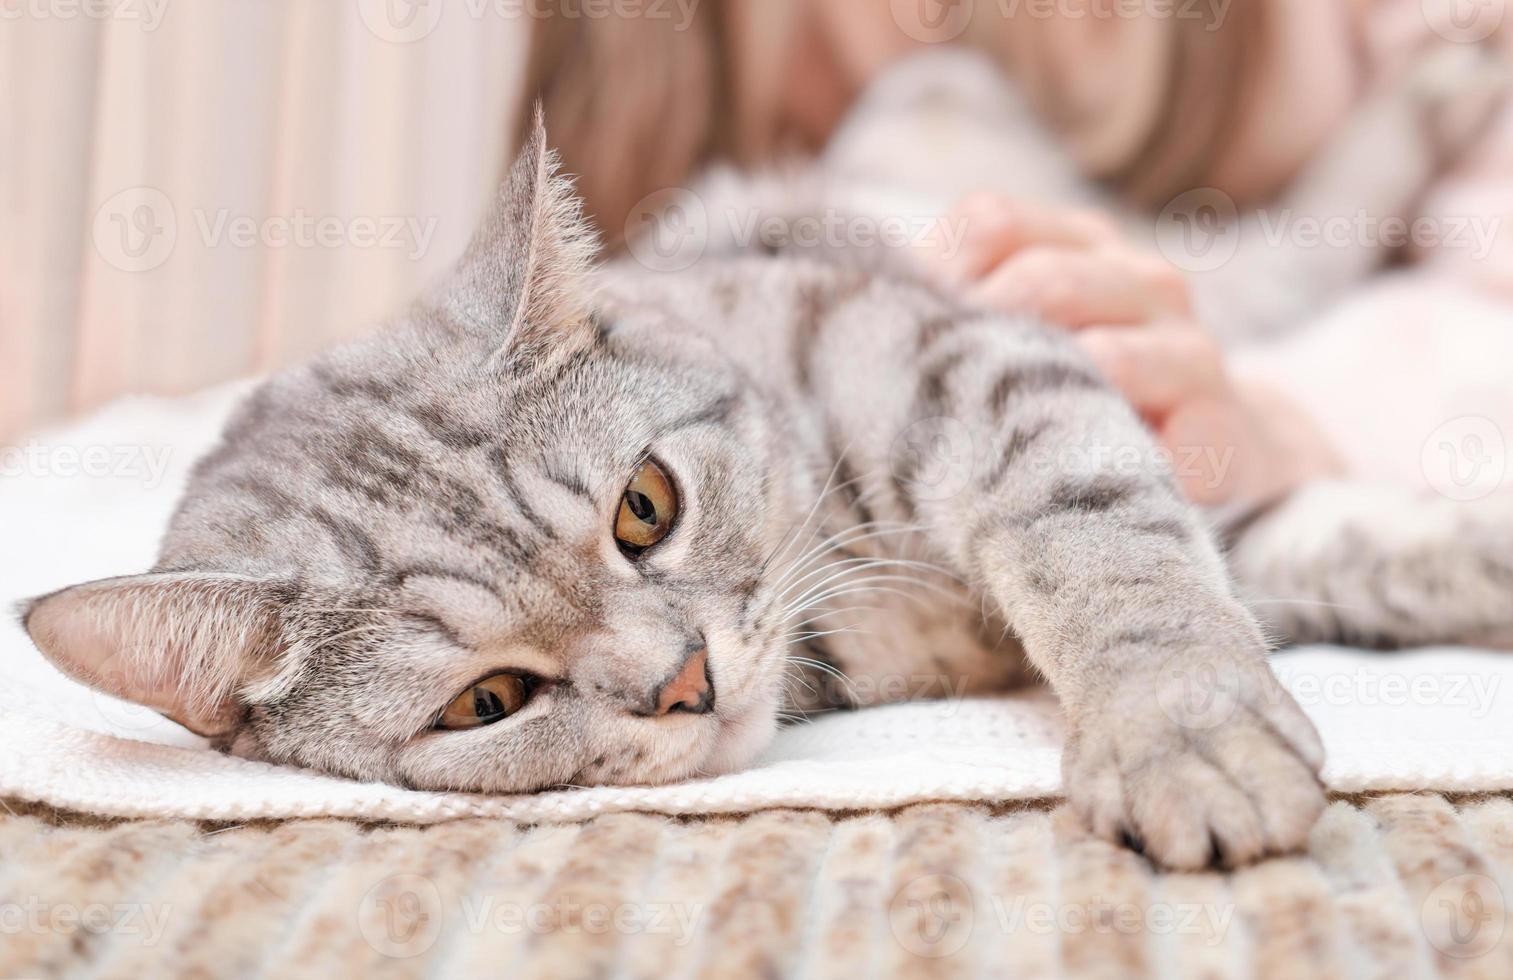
{"x":91,"y":501}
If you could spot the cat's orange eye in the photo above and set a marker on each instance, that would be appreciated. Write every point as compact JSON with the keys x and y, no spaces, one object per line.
{"x":485,"y":702}
{"x":647,"y":509}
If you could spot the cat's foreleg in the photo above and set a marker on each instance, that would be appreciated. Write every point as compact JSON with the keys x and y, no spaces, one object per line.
{"x":1381,"y":565}
{"x":1180,"y":738}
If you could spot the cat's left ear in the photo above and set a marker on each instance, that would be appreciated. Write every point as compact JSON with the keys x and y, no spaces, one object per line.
{"x":522,"y":282}
{"x":181,"y":644}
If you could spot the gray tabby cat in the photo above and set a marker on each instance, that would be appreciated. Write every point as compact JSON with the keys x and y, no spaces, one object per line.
{"x":1349,"y":561}
{"x":562,"y":526}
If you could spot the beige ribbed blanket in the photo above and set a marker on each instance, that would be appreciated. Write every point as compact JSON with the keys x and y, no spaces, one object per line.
{"x":1397,"y":885}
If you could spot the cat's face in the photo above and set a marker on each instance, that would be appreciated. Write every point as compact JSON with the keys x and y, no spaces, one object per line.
{"x":570,"y":576}
{"x":502,"y":548}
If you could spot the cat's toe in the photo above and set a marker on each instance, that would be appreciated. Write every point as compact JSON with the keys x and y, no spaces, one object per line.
{"x":1191,"y":816}
{"x":1224,"y":797}
{"x":1281,"y":781}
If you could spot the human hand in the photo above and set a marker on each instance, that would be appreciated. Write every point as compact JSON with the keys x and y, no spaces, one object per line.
{"x":1230,"y":443}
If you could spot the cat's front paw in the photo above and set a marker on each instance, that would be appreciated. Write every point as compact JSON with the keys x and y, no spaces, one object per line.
{"x":1198,"y":765}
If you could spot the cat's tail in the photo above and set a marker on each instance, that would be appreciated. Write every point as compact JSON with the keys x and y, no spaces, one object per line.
{"x":1381,"y":566}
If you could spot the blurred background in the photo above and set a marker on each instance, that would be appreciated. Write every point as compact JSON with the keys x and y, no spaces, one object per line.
{"x":195,"y":191}
{"x":199,"y":190}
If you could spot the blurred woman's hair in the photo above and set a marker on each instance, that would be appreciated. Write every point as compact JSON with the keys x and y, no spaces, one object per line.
{"x":637,"y":104}
{"x":1161,"y":127}
{"x":632,"y":104}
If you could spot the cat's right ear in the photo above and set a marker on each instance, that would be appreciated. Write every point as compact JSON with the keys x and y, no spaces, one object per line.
{"x":521,"y":285}
{"x":181,"y":644}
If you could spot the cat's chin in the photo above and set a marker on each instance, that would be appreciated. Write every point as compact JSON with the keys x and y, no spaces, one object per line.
{"x":741,"y":741}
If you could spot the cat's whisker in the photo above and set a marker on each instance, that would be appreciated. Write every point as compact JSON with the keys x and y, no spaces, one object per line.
{"x":790,"y":679}
{"x":1303,"y":602}
{"x":818,"y":593}
{"x":798,"y":528}
{"x":778,"y":591}
{"x":796,"y":576}
{"x":830,"y":670}
{"x":849,"y":536}
{"x":891,"y":558}
{"x":866,"y":585}
{"x":864,"y":564}
{"x":827,"y":495}
{"x":806,"y":632}
{"x":814,"y":615}
{"x":807,"y":559}
{"x":821,"y":634}
{"x":849,"y":529}
{"x":820,"y":614}
{"x":820,"y":665}
{"x":827,"y":613}
{"x":833,"y":571}
{"x":880,"y":590}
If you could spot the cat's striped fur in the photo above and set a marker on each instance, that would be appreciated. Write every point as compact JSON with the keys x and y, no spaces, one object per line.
{"x":1379,"y":558}
{"x":897,"y":489}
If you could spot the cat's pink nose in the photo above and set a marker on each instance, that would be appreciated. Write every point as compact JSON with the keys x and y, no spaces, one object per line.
{"x":690,"y":690}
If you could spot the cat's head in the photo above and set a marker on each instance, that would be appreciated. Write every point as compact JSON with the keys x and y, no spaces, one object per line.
{"x":509,"y":543}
